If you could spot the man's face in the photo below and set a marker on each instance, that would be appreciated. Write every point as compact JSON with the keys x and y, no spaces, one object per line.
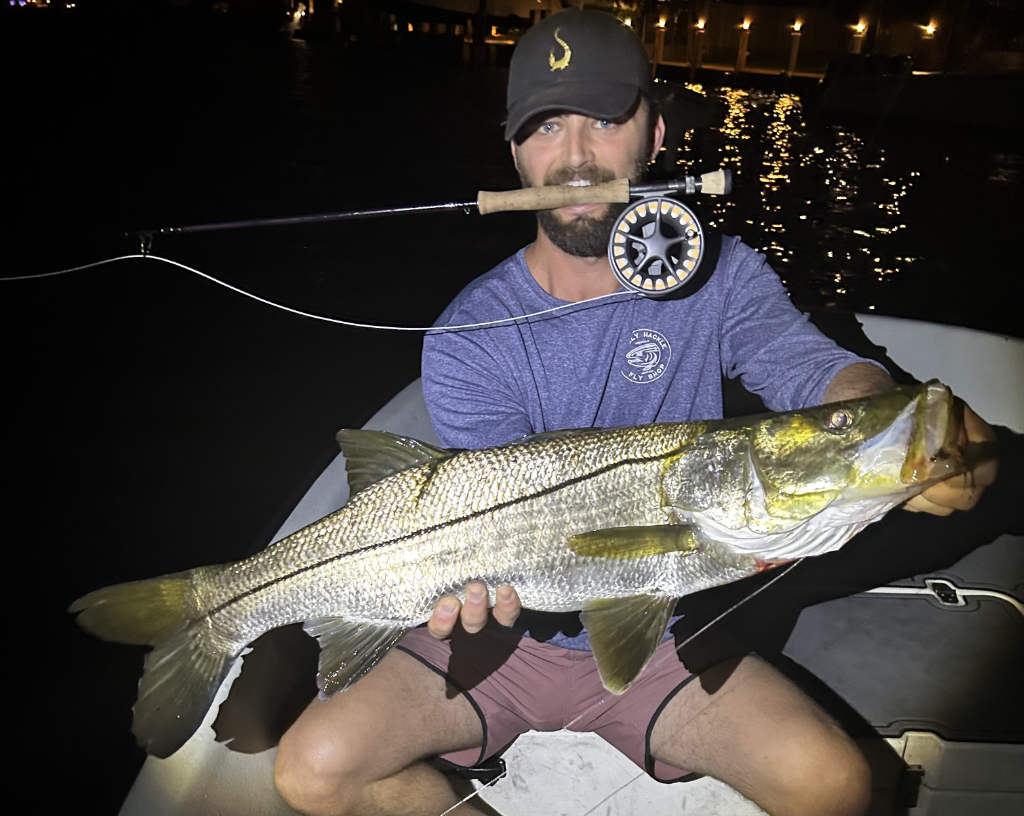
{"x":569,"y":148}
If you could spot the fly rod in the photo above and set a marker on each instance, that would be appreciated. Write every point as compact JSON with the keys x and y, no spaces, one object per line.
{"x":620,"y":191}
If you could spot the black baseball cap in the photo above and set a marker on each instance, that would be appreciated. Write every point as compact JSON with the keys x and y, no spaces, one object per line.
{"x":576,"y":61}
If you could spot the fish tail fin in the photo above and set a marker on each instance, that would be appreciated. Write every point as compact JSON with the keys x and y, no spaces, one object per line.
{"x":138,"y":612}
{"x":187,"y":665}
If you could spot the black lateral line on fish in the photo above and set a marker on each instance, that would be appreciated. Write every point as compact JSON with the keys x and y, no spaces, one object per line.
{"x":469,"y":517}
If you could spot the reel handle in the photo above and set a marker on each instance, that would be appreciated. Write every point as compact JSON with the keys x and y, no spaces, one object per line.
{"x":717,"y":182}
{"x":550,"y":198}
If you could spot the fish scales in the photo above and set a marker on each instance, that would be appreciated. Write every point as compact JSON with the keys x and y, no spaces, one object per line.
{"x":399,"y":545}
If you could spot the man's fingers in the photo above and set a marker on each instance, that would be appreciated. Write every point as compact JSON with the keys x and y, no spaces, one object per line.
{"x":919,"y":504}
{"x":474,"y":611}
{"x":442,"y":622}
{"x":975,"y":428}
{"x":474,"y":608}
{"x":963,"y":491}
{"x":507,"y":606}
{"x":958,"y":492}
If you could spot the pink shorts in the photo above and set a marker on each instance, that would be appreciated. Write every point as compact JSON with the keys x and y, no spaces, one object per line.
{"x":517,"y":684}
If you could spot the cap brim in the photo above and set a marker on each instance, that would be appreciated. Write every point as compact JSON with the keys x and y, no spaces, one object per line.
{"x":601,"y":100}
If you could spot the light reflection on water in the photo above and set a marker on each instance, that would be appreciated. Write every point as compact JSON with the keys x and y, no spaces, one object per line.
{"x":829,"y":208}
{"x":838,"y":235}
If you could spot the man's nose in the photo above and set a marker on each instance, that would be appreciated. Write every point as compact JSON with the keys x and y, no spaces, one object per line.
{"x":578,"y":146}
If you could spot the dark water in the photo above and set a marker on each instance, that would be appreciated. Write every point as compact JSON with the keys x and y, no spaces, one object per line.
{"x":157,"y":421}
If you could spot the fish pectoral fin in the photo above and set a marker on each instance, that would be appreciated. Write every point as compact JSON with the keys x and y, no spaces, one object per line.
{"x":635,"y":542}
{"x":349,"y":650}
{"x":624,"y":632}
{"x":374,"y":455}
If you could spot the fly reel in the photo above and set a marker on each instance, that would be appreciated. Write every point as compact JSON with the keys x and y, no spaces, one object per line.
{"x":656,"y":246}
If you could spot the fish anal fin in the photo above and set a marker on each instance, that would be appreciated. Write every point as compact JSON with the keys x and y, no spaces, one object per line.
{"x":374,"y":455}
{"x":348,"y":650}
{"x":635,"y":542}
{"x":181,"y":678}
{"x":624,"y":632}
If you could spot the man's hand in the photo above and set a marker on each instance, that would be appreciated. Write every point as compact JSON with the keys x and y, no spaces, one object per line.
{"x":960,"y":492}
{"x":474,"y":611}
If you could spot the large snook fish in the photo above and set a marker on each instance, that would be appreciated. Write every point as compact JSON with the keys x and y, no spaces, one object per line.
{"x":617,"y":523}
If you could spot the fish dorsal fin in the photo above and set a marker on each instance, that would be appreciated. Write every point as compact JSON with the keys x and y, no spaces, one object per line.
{"x":635,"y":542}
{"x":349,"y":650}
{"x":624,"y":632}
{"x":374,"y":455}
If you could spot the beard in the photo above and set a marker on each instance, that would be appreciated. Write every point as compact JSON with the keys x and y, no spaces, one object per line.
{"x":584,"y":235}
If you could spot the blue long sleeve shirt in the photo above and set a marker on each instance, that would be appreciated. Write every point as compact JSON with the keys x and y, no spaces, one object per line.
{"x":623,"y":360}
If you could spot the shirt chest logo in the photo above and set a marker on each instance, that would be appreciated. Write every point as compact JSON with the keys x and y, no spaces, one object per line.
{"x":647,"y":356}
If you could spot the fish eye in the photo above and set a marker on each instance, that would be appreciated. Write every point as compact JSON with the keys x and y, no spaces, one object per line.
{"x":839,"y":420}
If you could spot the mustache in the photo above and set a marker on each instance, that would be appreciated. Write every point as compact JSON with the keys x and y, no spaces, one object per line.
{"x":591,"y":173}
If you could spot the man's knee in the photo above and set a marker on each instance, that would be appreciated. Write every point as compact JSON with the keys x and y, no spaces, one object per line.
{"x":317,"y":776}
{"x":830,"y":778}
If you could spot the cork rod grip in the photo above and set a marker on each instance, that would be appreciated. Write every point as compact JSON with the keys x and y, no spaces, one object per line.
{"x":548,"y":198}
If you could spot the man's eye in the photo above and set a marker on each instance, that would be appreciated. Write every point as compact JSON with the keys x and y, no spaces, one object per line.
{"x":604,"y":124}
{"x":547,"y":127}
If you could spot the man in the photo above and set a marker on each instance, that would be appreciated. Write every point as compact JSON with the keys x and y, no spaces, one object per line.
{"x":578,"y":114}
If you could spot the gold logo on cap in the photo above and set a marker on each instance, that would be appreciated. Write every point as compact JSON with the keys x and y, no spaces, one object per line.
{"x":563,"y":61}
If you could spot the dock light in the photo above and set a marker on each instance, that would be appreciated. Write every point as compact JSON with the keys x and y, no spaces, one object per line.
{"x":857,"y":39}
{"x":628,"y":22}
{"x":929,"y":30}
{"x":701,"y":23}
{"x":794,"y":46}
{"x":741,"y":47}
{"x":662,"y":21}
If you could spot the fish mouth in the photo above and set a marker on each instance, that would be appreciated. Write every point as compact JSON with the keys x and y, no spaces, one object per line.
{"x":935,"y":449}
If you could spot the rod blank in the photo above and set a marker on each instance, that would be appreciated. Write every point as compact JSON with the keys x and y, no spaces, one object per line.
{"x":718,"y":182}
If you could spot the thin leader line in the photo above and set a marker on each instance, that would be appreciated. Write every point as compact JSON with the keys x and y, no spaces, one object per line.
{"x":607,"y":696}
{"x":325,"y":318}
{"x":355,"y":325}
{"x":702,"y":629}
{"x":465,"y":799}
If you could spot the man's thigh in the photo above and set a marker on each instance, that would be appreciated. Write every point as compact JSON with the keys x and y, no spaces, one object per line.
{"x":748,"y":725}
{"x":397,"y":714}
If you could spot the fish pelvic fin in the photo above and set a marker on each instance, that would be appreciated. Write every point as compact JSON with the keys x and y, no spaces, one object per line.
{"x":349,"y":650}
{"x":188,"y":663}
{"x":624,"y":632}
{"x":374,"y":455}
{"x":635,"y":542}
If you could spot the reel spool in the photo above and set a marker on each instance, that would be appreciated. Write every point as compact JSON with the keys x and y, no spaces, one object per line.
{"x":656,"y":246}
